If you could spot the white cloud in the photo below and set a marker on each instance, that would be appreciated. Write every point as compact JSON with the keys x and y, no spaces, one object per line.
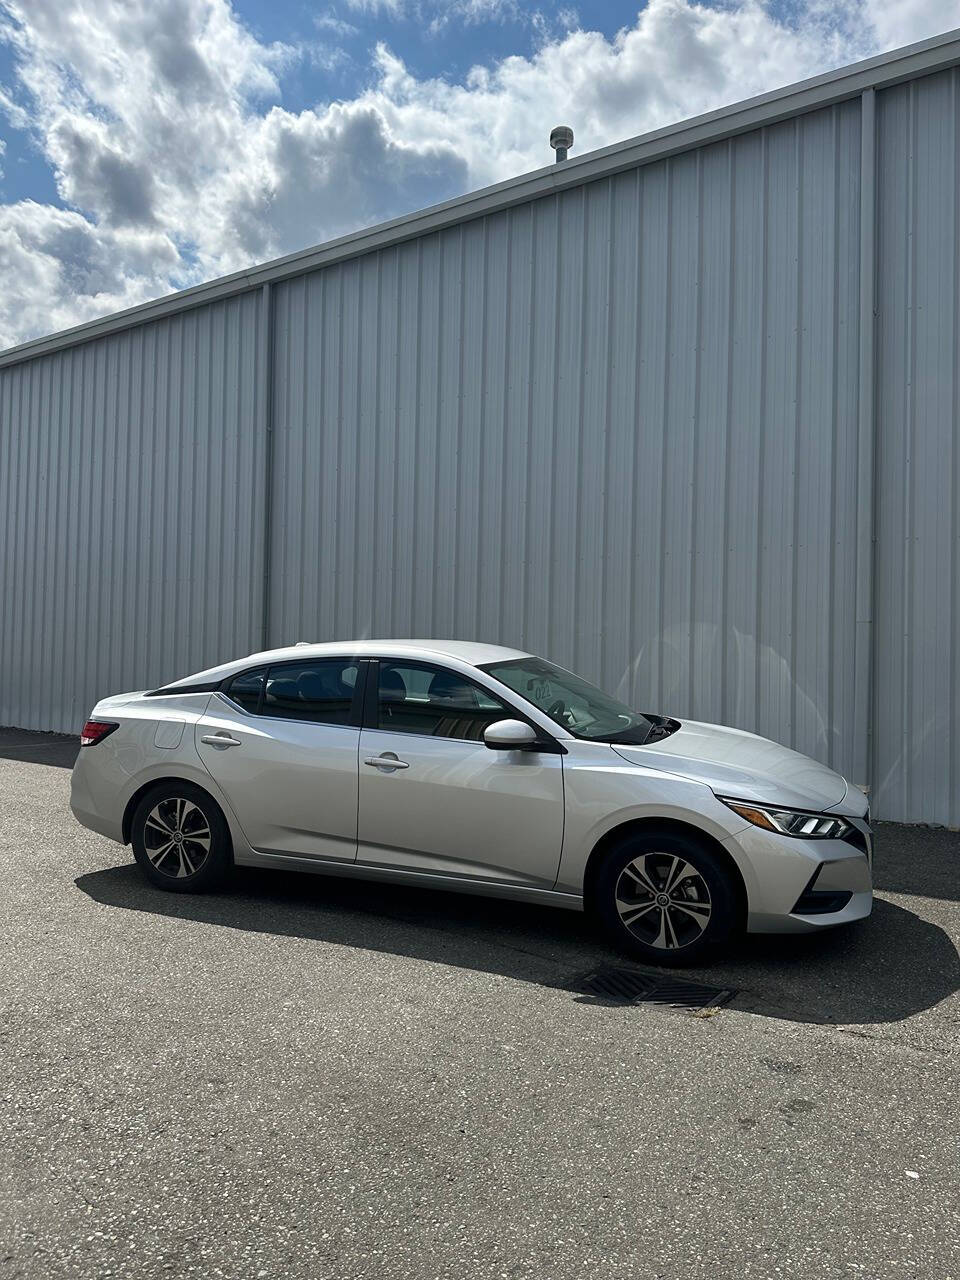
{"x":435,"y":15}
{"x":163,"y":123}
{"x":394,"y":7}
{"x":898,"y":22}
{"x":59,"y":269}
{"x":329,"y":21}
{"x":19,"y":118}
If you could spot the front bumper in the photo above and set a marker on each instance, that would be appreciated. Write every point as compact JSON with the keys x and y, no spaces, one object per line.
{"x":780,"y":872}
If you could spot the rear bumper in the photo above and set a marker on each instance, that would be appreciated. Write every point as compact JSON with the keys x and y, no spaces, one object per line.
{"x":85,"y":806}
{"x":779,"y":872}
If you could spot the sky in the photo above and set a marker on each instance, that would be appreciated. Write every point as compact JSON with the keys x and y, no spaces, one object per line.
{"x":147,"y":145}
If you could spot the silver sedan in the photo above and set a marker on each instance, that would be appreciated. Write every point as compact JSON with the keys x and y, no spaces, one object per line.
{"x":481,"y":769}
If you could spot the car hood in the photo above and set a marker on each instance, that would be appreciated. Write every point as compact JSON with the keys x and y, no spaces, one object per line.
{"x":742,"y":766}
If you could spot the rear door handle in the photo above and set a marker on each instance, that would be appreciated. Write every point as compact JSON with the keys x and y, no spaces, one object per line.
{"x":386,"y":762}
{"x":220,"y":740}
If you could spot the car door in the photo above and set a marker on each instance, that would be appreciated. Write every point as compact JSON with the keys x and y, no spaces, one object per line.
{"x":282,"y":743}
{"x":434,"y":798}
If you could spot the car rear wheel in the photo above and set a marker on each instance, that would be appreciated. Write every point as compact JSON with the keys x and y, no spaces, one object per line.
{"x":180,"y":838}
{"x":666,"y":898}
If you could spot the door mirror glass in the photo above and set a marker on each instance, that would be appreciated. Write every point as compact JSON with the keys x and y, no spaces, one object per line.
{"x":509,"y":735}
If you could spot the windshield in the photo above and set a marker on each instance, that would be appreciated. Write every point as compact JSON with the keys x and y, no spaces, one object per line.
{"x":574,"y":704}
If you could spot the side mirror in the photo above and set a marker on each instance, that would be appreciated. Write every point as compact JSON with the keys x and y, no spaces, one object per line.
{"x":509,"y":735}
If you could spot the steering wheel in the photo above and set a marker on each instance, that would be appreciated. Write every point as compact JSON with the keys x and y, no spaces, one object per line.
{"x":557,"y":709}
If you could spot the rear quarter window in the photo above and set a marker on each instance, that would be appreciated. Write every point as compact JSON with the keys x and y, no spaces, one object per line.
{"x":246,"y":688}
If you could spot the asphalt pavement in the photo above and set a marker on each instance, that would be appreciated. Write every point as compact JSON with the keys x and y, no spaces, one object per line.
{"x":310,"y":1078}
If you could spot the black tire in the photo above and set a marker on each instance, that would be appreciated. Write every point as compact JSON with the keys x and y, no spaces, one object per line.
{"x":702,"y":909}
{"x":196,"y":860}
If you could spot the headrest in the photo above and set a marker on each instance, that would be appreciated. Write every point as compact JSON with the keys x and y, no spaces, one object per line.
{"x":450,"y":687}
{"x":392,"y":686}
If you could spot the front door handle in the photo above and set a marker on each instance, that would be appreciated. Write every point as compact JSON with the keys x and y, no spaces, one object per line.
{"x":387,"y":761}
{"x":220,"y":740}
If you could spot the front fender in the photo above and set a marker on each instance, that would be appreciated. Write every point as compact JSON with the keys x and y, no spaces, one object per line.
{"x":599,"y":798}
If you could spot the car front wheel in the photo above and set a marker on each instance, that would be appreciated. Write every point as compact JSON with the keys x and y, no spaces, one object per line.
{"x":666,"y":898}
{"x":180,"y":838}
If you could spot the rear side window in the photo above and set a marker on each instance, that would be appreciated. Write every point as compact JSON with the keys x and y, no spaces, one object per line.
{"x":320,"y":691}
{"x":245,"y":689}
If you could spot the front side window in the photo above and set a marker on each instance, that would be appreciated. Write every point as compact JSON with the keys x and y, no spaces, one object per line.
{"x":413,"y":697}
{"x":320,"y":691}
{"x":571,"y":702}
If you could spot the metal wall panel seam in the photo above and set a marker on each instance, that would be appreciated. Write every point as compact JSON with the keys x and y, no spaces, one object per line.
{"x":338,"y":516}
{"x":577,"y":441}
{"x":457,"y":467}
{"x":436,"y":405}
{"x":85,"y":482}
{"x":28,"y":508}
{"x":606,"y":505}
{"x":23,"y":538}
{"x":528,"y":472}
{"x":696,"y":478}
{"x":909,"y":431}
{"x":762,"y":416}
{"x":483,"y":427}
{"x":130,"y":503}
{"x":505,"y":412}
{"x":110,"y":607}
{"x":953,"y":809}
{"x":38,"y":538}
{"x":175,"y":419}
{"x":864,"y":641}
{"x":41,"y":533}
{"x":665,"y":415}
{"x":794,"y":722}
{"x":834,"y":420}
{"x":376,"y":431}
{"x":237,"y":359}
{"x":727,"y":423}
{"x":306,"y":302}
{"x":398,"y":553}
{"x":265,"y":377}
{"x":7,"y":472}
{"x":629,"y":691}
{"x":215,"y":479}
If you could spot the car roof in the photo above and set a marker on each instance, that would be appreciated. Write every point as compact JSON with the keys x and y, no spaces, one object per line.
{"x":467,"y":651}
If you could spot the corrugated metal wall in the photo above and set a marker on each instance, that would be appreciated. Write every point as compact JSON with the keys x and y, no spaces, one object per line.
{"x":617,"y":425}
{"x":131,"y":512}
{"x":917,"y":751}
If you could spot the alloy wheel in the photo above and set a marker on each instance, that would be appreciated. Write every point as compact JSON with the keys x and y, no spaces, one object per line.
{"x":176,"y":837}
{"x":663,"y":900}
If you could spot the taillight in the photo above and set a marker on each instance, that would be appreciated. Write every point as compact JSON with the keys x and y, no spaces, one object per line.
{"x":95,"y":731}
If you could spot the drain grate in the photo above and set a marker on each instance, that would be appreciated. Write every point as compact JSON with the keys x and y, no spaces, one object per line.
{"x":634,"y":986}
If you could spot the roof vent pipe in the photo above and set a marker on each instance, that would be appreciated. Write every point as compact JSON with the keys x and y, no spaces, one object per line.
{"x":561,"y":139}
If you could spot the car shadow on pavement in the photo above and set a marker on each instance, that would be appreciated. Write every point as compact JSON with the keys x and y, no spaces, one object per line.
{"x":29,"y":746}
{"x":881,"y":970}
{"x":924,"y":861}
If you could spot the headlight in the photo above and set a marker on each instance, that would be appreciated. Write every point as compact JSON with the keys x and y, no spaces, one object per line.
{"x":791,"y":822}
